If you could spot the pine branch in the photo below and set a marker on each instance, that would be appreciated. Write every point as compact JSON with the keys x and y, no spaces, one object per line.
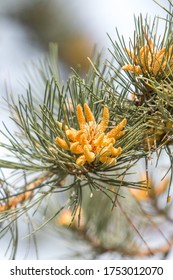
{"x":84,"y":137}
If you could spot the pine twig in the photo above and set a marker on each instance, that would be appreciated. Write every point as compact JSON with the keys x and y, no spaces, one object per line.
{"x":15,"y":200}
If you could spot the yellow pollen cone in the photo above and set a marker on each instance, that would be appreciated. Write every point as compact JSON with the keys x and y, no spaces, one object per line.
{"x":119,"y":135}
{"x":108,"y":160}
{"x":62,"y":143}
{"x":83,"y":140}
{"x":60,"y":125}
{"x":105,"y":119}
{"x":107,"y":141}
{"x":136,"y":69}
{"x":78,"y":135}
{"x":116,"y":152}
{"x":113,"y":132}
{"x":88,"y":113}
{"x":99,"y":140}
{"x":90,"y":156}
{"x":81,"y":160}
{"x":71,"y":134}
{"x":106,"y":151}
{"x":76,"y":148}
{"x":80,"y":116}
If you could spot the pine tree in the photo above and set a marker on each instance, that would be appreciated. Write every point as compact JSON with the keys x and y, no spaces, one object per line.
{"x":79,"y":146}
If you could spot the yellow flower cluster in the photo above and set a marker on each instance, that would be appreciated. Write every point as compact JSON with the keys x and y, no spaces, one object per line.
{"x":91,"y":142}
{"x":149,"y":60}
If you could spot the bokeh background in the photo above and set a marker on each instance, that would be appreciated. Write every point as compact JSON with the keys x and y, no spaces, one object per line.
{"x":26,"y":29}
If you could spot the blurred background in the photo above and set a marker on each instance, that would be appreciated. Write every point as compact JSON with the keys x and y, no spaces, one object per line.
{"x":27,"y":28}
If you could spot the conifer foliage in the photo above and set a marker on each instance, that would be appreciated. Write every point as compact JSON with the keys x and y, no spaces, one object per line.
{"x":79,"y":145}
